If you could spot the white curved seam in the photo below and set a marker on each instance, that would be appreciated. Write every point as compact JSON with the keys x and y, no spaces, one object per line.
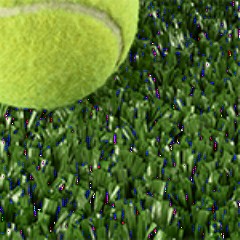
{"x":74,"y":8}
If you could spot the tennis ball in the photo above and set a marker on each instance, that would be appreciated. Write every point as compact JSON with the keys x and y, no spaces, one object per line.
{"x":53,"y":53}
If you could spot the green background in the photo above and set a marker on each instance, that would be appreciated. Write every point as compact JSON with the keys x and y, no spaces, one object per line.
{"x":154,"y":154}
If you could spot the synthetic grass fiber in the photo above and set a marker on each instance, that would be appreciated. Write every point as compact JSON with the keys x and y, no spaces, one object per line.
{"x":153,"y":154}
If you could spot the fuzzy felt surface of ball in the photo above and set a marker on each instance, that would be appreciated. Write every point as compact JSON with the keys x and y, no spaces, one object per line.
{"x":53,"y":53}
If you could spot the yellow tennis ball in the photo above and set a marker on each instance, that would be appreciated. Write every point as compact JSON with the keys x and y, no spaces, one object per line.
{"x":53,"y":53}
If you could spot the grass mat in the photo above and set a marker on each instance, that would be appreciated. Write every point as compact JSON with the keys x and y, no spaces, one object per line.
{"x":154,"y":154}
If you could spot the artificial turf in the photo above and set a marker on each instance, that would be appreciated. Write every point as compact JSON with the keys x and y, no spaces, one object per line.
{"x":154,"y":154}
